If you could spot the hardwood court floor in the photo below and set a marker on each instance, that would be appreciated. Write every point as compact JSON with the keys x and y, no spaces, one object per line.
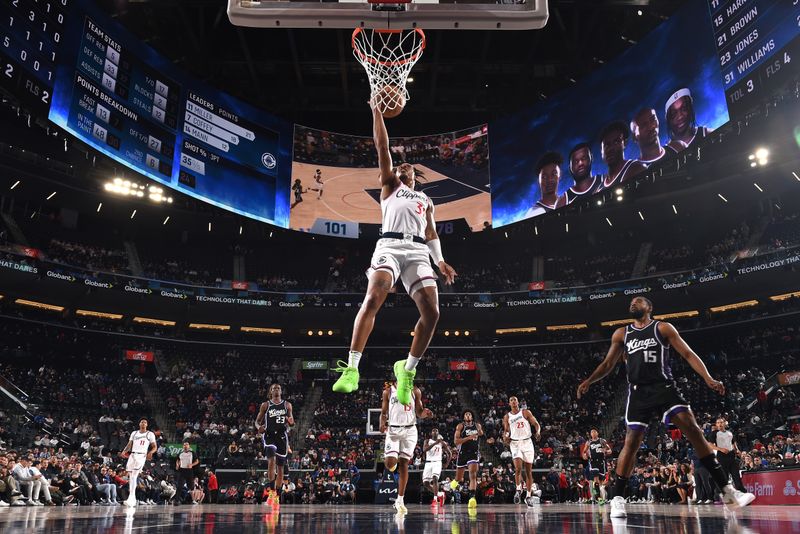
{"x":321,"y":519}
{"x":346,"y":197}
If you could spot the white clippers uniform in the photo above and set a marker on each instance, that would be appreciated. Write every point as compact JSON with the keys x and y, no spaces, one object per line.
{"x":141,"y":444}
{"x":401,"y":438}
{"x":404,"y":212}
{"x":521,"y":442}
{"x":433,"y":462}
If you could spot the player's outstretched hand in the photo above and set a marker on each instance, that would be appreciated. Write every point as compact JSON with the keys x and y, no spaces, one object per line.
{"x":583,"y":388}
{"x":448,"y":272}
{"x":426,"y":414}
{"x":716,"y":385}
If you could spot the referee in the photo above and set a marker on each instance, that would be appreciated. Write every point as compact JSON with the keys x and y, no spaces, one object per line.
{"x":722,"y":441}
{"x":185,"y":465}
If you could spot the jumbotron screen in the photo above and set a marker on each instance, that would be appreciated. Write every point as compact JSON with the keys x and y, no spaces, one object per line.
{"x":643,"y":108}
{"x":336,"y":186}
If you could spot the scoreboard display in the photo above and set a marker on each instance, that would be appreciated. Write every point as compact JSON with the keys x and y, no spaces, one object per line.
{"x":132,"y":104}
{"x":757,"y":43}
{"x":31,"y":36}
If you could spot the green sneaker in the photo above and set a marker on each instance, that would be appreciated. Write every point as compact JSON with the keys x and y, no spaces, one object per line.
{"x":405,"y":382}
{"x":348,"y":382}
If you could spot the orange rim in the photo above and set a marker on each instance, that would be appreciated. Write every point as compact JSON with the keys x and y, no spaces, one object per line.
{"x":371,"y":59}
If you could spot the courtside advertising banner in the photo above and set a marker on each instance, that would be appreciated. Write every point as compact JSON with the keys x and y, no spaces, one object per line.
{"x":774,"y":487}
{"x":139,"y":355}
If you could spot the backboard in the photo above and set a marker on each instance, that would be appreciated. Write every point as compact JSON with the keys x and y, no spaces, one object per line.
{"x":397,"y":14}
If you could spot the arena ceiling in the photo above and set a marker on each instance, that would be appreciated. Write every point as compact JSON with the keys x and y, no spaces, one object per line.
{"x":311,"y":77}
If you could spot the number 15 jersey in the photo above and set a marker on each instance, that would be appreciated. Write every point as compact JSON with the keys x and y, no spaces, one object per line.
{"x":647,"y":355}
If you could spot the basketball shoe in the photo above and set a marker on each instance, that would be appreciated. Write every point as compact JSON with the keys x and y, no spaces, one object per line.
{"x":405,"y":382}
{"x":348,"y":382}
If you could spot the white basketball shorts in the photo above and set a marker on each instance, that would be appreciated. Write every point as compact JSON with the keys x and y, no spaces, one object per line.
{"x":432,"y":469}
{"x":405,"y":260}
{"x":136,"y":461}
{"x":523,"y":449}
{"x":400,"y":441}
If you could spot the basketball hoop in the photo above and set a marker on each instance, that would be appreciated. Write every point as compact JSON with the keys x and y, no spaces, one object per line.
{"x":388,"y":57}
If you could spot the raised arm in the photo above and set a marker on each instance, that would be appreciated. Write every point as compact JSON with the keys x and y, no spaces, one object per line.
{"x":670,"y":334}
{"x":608,"y":364}
{"x":389,"y":180}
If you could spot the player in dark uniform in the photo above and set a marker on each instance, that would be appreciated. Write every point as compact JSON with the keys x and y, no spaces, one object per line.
{"x":612,"y":149}
{"x":645,"y":131}
{"x":682,"y":120}
{"x":646,"y":346}
{"x":273,"y":420}
{"x":468,"y":432}
{"x":580,"y":167}
{"x":548,"y":169}
{"x":596,"y":451}
{"x":297,"y":187}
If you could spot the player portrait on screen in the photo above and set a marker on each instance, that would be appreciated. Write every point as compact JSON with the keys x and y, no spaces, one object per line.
{"x":682,"y":120}
{"x":580,"y":167}
{"x":645,"y":129}
{"x":549,"y":170}
{"x":613,"y":140}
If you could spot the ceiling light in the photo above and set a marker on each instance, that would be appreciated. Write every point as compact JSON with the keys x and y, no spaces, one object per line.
{"x":599,"y":202}
{"x":762,"y":153}
{"x":133,"y":214}
{"x":751,"y":157}
{"x":447,"y":332}
{"x":240,"y":230}
{"x":310,"y":333}
{"x":566,"y":226}
{"x":15,"y":185}
{"x":166,"y":220}
{"x":536,"y":230}
{"x":641,"y":216}
{"x":618,"y":191}
{"x":753,"y":164}
{"x":51,"y":195}
{"x":99,"y":207}
{"x":457,"y":333}
{"x":674,"y":209}
{"x":330,"y":332}
{"x":758,"y":187}
{"x":319,"y":333}
{"x":619,"y":198}
{"x":639,"y":12}
{"x":609,"y":221}
{"x":723,"y":198}
{"x":209,"y":226}
{"x":466,"y":332}
{"x":410,"y":79}
{"x":796,"y":177}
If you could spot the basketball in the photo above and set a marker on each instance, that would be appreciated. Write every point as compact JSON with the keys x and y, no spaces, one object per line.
{"x":392,"y":101}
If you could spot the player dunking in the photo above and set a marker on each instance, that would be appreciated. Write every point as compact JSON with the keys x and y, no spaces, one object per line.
{"x":596,"y":451}
{"x":141,"y":446}
{"x":517,"y":433}
{"x":434,"y":450}
{"x":468,"y":432}
{"x":399,"y":423}
{"x":646,"y":346}
{"x":273,"y":420}
{"x":409,"y":238}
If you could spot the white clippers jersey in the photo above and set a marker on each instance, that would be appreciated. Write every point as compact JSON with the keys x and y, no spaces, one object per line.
{"x":142,"y":440}
{"x":404,"y":212}
{"x":400,"y":415}
{"x":520,"y":427}
{"x":434,"y":454}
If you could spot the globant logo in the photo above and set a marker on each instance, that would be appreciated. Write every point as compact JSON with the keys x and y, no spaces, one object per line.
{"x":597,"y":296}
{"x":711,"y":277}
{"x":134,"y":289}
{"x":485,"y":305}
{"x":637,"y":291}
{"x":172,"y":294}
{"x":290,"y":304}
{"x":95,"y":283}
{"x":677,"y":285}
{"x":60,"y":276}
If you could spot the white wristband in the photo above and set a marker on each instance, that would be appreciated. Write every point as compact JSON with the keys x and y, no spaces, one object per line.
{"x":435,"y":250}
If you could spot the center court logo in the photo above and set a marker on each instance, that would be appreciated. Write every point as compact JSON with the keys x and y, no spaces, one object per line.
{"x":268,"y":160}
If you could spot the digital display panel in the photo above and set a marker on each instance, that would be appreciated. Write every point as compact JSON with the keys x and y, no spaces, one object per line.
{"x":336,"y":186}
{"x":627,"y":118}
{"x":31,"y":37}
{"x":757,"y":41}
{"x":128,"y":102}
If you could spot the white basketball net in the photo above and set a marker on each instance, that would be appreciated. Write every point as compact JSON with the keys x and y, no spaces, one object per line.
{"x":388,"y":57}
